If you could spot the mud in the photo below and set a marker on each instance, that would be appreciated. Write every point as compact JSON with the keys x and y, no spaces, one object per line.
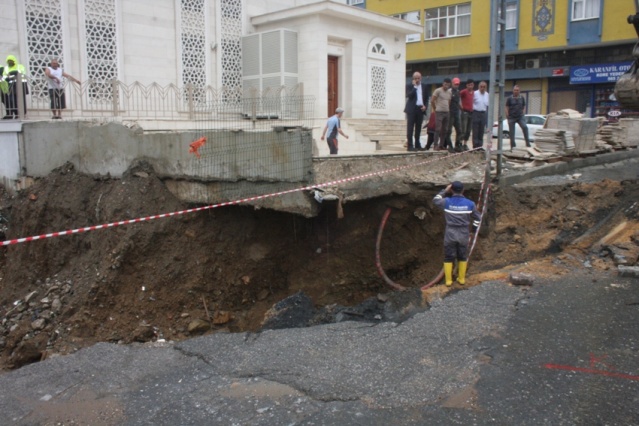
{"x":222,"y":270}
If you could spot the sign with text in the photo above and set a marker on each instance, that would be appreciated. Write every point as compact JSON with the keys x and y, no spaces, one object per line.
{"x":598,"y":73}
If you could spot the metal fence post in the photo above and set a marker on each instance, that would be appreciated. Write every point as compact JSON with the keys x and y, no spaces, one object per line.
{"x":301,"y":98}
{"x":115,"y":95}
{"x":20,"y":95}
{"x":189,"y":95}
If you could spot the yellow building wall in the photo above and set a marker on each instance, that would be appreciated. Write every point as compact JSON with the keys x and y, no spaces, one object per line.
{"x":614,"y":28}
{"x":475,"y":44}
{"x":615,"y":25}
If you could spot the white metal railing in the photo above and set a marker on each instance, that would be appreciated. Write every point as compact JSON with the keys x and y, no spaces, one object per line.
{"x":136,"y":101}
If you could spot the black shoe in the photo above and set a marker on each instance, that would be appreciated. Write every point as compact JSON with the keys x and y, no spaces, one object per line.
{"x":465,"y":147}
{"x":410,"y":149}
{"x":8,"y":117}
{"x":450,"y":149}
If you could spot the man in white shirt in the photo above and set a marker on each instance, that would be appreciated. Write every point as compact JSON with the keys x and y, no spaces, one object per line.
{"x":416,"y":103}
{"x":480,"y":113}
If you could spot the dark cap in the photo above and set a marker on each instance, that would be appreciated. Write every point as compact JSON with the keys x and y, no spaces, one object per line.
{"x":457,"y":186}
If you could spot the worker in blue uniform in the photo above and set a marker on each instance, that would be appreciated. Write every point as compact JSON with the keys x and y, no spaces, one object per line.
{"x":460,"y":214}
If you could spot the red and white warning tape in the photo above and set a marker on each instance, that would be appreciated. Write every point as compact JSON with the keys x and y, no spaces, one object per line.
{"x":226,"y":203}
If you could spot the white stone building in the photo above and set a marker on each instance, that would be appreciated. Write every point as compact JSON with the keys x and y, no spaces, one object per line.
{"x":339,"y":54}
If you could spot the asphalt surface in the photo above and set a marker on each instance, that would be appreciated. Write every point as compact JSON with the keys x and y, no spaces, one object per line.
{"x":562,"y":352}
{"x":559,"y":352}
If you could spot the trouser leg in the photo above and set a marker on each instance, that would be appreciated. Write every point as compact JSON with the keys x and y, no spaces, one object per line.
{"x":524,"y":129}
{"x":419,"y":120}
{"x":332,"y":145}
{"x":445,"y":140}
{"x":511,"y":131}
{"x":410,"y":128}
{"x":478,"y":129}
{"x":466,"y":125}
{"x":430,"y":140}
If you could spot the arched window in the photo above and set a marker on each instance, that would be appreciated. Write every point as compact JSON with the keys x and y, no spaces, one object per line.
{"x":377,"y":49}
{"x":377,"y":77}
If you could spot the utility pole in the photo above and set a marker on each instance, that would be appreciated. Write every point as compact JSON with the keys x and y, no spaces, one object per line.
{"x":498,"y":21}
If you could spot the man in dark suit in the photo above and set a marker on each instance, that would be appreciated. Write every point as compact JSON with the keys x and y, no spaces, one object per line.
{"x":416,"y":104}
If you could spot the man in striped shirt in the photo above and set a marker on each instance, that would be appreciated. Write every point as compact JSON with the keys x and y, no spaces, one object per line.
{"x":459,"y":211}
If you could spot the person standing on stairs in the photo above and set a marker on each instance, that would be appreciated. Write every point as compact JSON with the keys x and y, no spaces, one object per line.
{"x":459,"y":211}
{"x":416,"y":105}
{"x":441,"y":105}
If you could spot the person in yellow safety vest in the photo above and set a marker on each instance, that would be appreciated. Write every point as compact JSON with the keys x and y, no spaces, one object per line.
{"x":10,"y":97}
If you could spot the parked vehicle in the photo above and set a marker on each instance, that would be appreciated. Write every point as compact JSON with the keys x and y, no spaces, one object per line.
{"x":534,"y":122}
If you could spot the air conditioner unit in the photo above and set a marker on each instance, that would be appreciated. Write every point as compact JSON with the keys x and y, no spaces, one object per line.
{"x":532,"y":63}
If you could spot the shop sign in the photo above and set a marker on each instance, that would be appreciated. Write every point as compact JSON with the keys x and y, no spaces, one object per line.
{"x":598,"y":73}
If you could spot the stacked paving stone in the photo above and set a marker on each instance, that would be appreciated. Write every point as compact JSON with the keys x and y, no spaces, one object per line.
{"x":554,"y":140}
{"x":611,"y":135}
{"x":583,"y":131}
{"x":619,"y":135}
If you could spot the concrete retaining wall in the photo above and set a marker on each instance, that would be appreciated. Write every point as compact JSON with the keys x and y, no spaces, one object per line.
{"x":98,"y":148}
{"x":10,"y":154}
{"x":274,"y":159}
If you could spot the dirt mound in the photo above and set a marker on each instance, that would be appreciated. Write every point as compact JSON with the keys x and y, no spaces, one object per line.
{"x":223,"y":269}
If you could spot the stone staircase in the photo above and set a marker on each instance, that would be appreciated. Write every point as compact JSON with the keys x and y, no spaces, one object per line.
{"x":388,"y":135}
{"x":367,"y":137}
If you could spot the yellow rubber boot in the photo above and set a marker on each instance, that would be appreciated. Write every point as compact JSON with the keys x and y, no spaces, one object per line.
{"x":448,"y":273}
{"x":461,"y":271}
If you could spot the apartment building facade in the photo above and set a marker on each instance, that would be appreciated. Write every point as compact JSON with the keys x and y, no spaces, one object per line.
{"x":562,"y":53}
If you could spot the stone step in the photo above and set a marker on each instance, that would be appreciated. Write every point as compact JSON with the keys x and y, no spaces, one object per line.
{"x":346,"y":147}
{"x":389,"y":135}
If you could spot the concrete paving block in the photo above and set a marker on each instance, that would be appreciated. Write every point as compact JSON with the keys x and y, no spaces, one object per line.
{"x":628,"y":271}
{"x":521,"y":279}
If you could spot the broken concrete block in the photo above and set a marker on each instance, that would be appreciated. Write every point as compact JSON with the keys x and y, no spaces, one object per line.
{"x":39,"y":324}
{"x":519,"y":278}
{"x":199,"y":326}
{"x":628,"y":271}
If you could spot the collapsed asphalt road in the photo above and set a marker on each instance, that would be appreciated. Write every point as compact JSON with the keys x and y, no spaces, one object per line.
{"x":565,"y":351}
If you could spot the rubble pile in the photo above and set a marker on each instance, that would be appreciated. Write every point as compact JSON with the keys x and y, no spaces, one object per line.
{"x":619,"y":135}
{"x":30,"y":326}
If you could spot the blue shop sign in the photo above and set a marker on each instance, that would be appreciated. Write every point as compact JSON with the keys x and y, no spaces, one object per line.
{"x":598,"y":73}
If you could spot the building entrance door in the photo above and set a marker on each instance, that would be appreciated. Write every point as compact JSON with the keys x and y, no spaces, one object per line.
{"x":333,"y":94}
